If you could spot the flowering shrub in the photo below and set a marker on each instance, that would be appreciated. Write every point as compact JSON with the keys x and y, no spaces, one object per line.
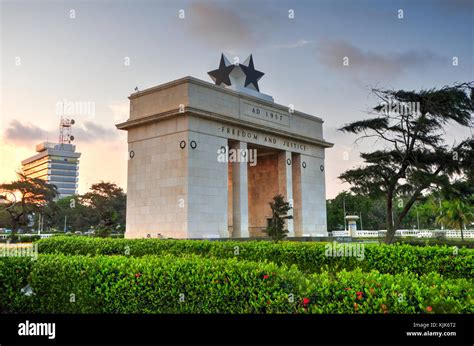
{"x":384,"y":293}
{"x":193,"y":284}
{"x":308,"y":257}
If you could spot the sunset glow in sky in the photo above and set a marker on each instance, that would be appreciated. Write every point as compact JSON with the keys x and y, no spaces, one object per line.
{"x":97,"y":52}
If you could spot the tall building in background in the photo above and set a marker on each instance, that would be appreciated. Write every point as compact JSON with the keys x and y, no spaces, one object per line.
{"x":56,"y":163}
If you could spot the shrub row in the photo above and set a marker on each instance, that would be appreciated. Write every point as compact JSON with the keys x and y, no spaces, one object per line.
{"x":469,"y":243}
{"x":14,"y":272}
{"x":192,"y":284}
{"x":362,"y":292}
{"x":151,"y":284}
{"x":308,"y":257}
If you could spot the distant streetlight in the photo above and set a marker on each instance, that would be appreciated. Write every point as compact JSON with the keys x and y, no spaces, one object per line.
{"x":440,"y":213}
{"x":344,"y":206}
{"x":417,"y":218}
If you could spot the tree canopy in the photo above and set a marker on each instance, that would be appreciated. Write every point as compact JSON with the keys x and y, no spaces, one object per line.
{"x":414,"y":157}
{"x":33,"y":194}
{"x":102,"y":208}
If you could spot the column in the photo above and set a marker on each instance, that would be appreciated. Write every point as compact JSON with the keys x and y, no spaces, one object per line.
{"x":240,"y":203}
{"x":285,"y":185}
{"x":297,"y":195}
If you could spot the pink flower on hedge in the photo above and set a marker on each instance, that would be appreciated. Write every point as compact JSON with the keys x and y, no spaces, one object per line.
{"x":265,"y":276}
{"x":359,"y":295}
{"x":306,"y":301}
{"x":137,"y":275}
{"x":429,"y":308}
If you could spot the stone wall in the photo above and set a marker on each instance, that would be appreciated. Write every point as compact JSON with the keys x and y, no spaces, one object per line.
{"x":157,"y":185}
{"x":207,"y":188}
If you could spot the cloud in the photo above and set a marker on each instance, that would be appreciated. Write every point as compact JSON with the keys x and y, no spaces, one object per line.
{"x":90,"y":131}
{"x":297,"y":44}
{"x":373,"y":64}
{"x":230,"y":26}
{"x":18,"y":132}
{"x":28,"y":134}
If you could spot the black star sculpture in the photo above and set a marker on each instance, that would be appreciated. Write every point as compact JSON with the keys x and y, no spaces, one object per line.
{"x":221,"y":75}
{"x":252,"y":76}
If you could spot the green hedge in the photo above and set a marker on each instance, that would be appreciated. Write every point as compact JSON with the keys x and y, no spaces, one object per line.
{"x":469,"y":243}
{"x":152,"y":284}
{"x":362,"y":292}
{"x":14,"y":273}
{"x":309,"y":257}
{"x":167,"y":284}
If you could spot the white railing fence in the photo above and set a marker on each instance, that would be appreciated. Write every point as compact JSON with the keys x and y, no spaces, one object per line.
{"x":468,"y":234}
{"x":20,"y":235}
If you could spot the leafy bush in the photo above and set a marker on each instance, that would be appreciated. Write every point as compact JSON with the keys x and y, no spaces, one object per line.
{"x":151,"y":284}
{"x":362,"y":292}
{"x":469,"y":243}
{"x":103,"y":232}
{"x":309,"y":257}
{"x":28,"y":238}
{"x":14,"y":273}
{"x":192,"y":284}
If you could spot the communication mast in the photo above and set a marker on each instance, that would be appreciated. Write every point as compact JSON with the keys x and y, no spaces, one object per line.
{"x":65,"y":136}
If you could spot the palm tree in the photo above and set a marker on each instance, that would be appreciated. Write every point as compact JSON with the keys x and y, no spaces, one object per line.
{"x":455,"y":213}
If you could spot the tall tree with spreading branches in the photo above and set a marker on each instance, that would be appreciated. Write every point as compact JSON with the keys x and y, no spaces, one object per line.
{"x":33,"y":196}
{"x":108,"y":202}
{"x":413,"y":157}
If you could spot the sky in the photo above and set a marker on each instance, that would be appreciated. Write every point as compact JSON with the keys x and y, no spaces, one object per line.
{"x":95,"y":53}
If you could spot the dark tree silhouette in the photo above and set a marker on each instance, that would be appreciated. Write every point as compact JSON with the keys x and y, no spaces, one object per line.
{"x":414,"y":157}
{"x":108,"y":203}
{"x":280,"y":209}
{"x":33,"y":194}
